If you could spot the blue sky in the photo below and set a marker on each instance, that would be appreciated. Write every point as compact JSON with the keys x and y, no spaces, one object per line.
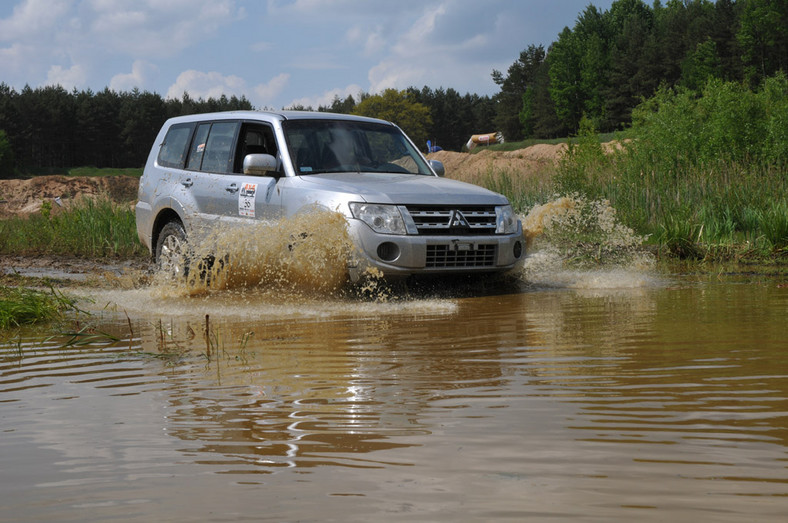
{"x":274,"y":52}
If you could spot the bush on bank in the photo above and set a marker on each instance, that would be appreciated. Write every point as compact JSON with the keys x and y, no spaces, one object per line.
{"x":704,"y":174}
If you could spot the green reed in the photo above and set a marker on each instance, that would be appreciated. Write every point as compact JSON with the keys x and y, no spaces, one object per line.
{"x":20,"y":306}
{"x":522,"y":191}
{"x":93,"y":228}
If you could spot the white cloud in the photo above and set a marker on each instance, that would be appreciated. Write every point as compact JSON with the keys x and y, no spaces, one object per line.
{"x":213,"y":85}
{"x":14,"y":57}
{"x":157,"y":28}
{"x":439,"y":51}
{"x":206,"y":85}
{"x":30,"y":29}
{"x":341,"y":9}
{"x":370,"y":41}
{"x":261,"y":47}
{"x":138,"y":77}
{"x":409,"y":62}
{"x":375,"y":42}
{"x":266,"y":93}
{"x":32,"y":17}
{"x":68,"y":78}
{"x":328,"y":96}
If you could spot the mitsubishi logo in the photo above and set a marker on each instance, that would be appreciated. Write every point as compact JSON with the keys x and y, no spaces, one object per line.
{"x":457,"y":220}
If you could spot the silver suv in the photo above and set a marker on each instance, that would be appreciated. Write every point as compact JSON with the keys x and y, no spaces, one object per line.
{"x":402,"y":215}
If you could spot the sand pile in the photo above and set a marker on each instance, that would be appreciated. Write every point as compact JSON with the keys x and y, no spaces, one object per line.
{"x":23,"y":197}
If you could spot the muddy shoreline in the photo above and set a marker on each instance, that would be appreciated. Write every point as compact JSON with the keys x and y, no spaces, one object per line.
{"x":69,"y":268}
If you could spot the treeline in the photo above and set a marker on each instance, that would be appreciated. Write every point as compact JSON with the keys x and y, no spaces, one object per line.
{"x":611,"y":60}
{"x":49,"y":127}
{"x":598,"y":72}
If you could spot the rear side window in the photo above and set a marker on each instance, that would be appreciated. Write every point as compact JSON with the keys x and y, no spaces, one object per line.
{"x":217,"y":157}
{"x":198,"y":146}
{"x":173,"y":150}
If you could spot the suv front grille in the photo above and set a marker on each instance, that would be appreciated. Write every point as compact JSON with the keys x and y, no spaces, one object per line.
{"x":446,"y":257}
{"x":454,"y":220}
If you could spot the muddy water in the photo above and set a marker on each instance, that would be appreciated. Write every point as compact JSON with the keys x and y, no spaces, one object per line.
{"x":268,"y":392}
{"x":618,"y":395}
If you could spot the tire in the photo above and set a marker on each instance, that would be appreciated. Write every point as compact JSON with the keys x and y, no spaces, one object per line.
{"x":172,"y":251}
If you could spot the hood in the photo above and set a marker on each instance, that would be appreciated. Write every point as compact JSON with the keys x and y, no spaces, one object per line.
{"x":405,"y":189}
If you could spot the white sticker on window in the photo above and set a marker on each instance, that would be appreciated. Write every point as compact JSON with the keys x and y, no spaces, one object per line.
{"x":246,"y":199}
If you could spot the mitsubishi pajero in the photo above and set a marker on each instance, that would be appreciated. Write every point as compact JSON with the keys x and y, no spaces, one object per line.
{"x":402,"y":215}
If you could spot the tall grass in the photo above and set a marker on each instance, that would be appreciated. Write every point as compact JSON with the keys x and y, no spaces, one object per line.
{"x":20,"y":306}
{"x":523,"y":192}
{"x":92,"y":228}
{"x":702,"y":171}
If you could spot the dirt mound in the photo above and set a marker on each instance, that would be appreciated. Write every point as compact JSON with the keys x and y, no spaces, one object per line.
{"x":468,"y":167}
{"x":23,"y":197}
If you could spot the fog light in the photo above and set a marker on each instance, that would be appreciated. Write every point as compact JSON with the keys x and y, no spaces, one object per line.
{"x":518,"y":250}
{"x":388,"y":251}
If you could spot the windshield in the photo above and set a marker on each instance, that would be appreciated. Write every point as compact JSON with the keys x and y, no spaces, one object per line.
{"x":329,"y":146}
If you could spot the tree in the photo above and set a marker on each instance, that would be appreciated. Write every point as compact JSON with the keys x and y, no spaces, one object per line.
{"x":45,"y":137}
{"x":724,"y":26}
{"x":700,"y":65}
{"x":633,"y":60}
{"x":6,"y":156}
{"x":142,"y":115}
{"x":545,"y":121}
{"x":395,"y":106}
{"x":565,"y":78}
{"x":764,"y":38}
{"x":509,"y":102}
{"x":10,"y":121}
{"x":580,"y":68}
{"x":338,"y":105}
{"x":593,"y":30}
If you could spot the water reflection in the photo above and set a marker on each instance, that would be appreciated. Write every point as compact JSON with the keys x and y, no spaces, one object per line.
{"x":655,"y":402}
{"x":310,"y":394}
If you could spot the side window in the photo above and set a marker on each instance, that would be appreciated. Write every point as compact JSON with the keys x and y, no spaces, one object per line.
{"x":212,"y":147}
{"x":198,"y":146}
{"x":173,"y":150}
{"x":255,"y":139}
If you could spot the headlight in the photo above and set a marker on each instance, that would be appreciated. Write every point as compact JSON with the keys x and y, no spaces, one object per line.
{"x":384,"y":219}
{"x":506,"y":221}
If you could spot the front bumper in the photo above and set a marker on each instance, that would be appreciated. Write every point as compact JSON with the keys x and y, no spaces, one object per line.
{"x":405,"y":255}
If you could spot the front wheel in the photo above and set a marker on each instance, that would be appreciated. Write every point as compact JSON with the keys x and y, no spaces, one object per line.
{"x":171,"y":250}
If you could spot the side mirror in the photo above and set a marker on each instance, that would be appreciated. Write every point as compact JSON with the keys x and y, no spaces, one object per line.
{"x":259,"y":164}
{"x":438,"y":167}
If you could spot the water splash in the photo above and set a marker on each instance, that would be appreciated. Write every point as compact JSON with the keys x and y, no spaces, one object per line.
{"x":579,"y":243}
{"x":572,"y":242}
{"x":306,"y":254}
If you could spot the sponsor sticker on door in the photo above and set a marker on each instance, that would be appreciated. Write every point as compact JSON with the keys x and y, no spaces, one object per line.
{"x":246,"y":199}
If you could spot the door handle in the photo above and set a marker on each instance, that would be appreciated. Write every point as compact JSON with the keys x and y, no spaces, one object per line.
{"x":187,"y":182}
{"x":231,"y":188}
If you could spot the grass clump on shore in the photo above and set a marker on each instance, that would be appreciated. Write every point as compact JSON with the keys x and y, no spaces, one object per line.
{"x":20,"y":306}
{"x":92,"y":228}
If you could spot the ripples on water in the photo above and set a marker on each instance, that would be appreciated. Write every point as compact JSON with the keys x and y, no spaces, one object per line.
{"x":586,"y":395}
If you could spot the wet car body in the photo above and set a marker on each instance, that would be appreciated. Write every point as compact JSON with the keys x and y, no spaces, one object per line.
{"x":401,"y":214}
